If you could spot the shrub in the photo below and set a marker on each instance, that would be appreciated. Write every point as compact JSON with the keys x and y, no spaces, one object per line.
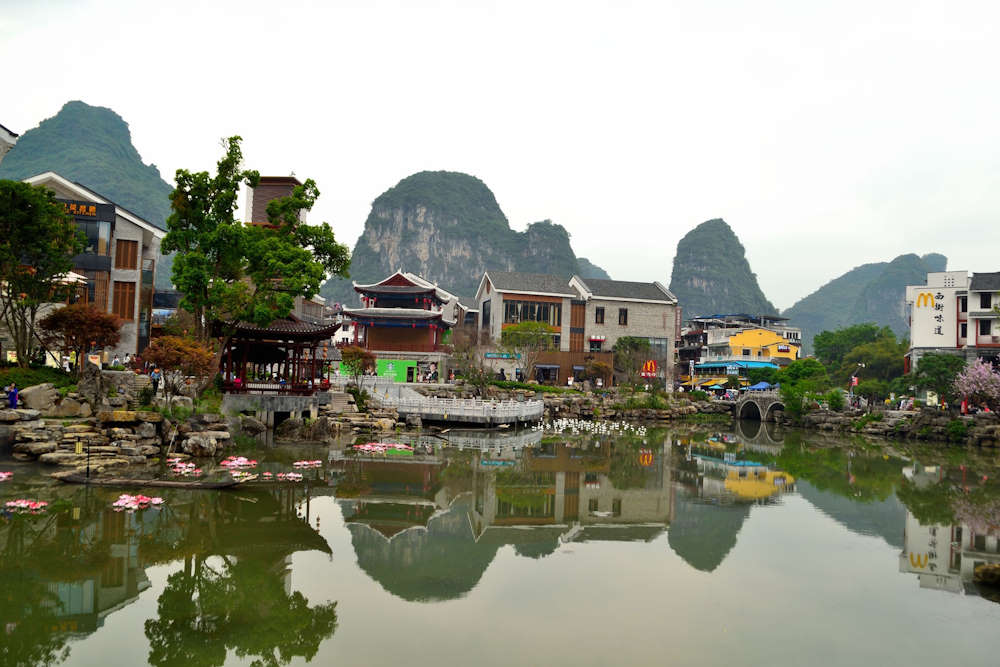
{"x":146,"y":396}
{"x":957,"y":430}
{"x":835,"y":400}
{"x":697,"y":395}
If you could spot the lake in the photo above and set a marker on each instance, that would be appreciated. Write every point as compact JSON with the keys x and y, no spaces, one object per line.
{"x":597,"y":545}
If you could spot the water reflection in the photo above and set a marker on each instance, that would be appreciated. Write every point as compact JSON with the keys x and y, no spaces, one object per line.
{"x":426,"y":528}
{"x":65,"y":571}
{"x":952,"y":528}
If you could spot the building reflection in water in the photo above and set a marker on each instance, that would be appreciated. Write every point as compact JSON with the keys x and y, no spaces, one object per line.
{"x":954,"y":534}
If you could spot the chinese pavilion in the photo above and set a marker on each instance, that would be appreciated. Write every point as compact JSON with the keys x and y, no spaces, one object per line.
{"x":403,"y":313}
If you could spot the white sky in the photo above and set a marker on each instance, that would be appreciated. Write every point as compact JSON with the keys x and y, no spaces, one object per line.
{"x":826,"y":134}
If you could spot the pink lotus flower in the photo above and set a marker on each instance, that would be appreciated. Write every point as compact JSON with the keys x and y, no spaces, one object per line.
{"x":25,"y":506}
{"x":4,"y":476}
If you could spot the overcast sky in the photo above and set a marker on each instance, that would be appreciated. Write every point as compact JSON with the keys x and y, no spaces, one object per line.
{"x":826,"y":134}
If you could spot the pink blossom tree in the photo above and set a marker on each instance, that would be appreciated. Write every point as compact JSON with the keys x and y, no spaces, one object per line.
{"x":979,"y":383}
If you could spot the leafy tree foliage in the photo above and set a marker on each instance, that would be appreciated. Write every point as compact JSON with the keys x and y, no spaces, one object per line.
{"x":937,"y":372}
{"x":356,"y":360}
{"x":228,"y":271}
{"x":832,"y":346}
{"x":468,"y":359}
{"x":800,"y":382}
{"x":528,"y":340}
{"x":180,"y":357}
{"x":630,"y":353}
{"x":37,"y":244}
{"x":756,"y":375}
{"x":79,"y":328}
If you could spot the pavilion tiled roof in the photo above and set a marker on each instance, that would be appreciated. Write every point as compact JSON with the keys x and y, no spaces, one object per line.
{"x":394,"y":313}
{"x":289,"y":326}
{"x":395,"y":289}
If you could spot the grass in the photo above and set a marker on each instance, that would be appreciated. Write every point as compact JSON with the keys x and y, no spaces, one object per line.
{"x":864,"y":420}
{"x":27,"y":377}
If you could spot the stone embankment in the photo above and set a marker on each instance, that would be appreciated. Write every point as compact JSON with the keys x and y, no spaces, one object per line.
{"x":112,"y":438}
{"x":609,"y":405}
{"x":340,"y":416}
{"x":980,"y":430}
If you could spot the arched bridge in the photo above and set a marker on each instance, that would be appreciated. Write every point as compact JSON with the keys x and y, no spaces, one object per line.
{"x":759,"y":405}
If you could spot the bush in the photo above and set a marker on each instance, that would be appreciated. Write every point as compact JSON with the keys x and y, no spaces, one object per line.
{"x":146,"y":396}
{"x":360,"y":397}
{"x":697,"y":395}
{"x":957,"y":430}
{"x":835,"y":400}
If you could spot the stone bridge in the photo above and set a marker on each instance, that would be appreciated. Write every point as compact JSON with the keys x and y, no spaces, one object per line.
{"x":759,"y":405}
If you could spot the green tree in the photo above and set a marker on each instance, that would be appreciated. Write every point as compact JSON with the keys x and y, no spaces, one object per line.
{"x":209,"y":241}
{"x":356,"y":360}
{"x":832,"y":346}
{"x":800,"y":382}
{"x":469,"y":361}
{"x":37,"y":243}
{"x":79,"y":328}
{"x":937,"y":373}
{"x":527,"y":340}
{"x":766,"y":374}
{"x":882,"y":360}
{"x":874,"y":390}
{"x":630,"y":353}
{"x":230,"y":272}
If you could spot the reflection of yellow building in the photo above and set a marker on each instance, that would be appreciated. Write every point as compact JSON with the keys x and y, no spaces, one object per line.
{"x":758,"y":344}
{"x":758,"y":484}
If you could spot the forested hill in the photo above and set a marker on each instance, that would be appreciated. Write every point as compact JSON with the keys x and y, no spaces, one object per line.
{"x":711,"y":274}
{"x":867,"y":293}
{"x":93,"y":146}
{"x":447,"y":227}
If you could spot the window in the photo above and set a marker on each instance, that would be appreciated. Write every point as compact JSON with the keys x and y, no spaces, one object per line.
{"x":97,"y":237}
{"x":532,"y":311}
{"x":599,"y":315}
{"x":97,"y":289}
{"x":746,"y":352}
{"x":486,"y":314}
{"x":984,"y":327}
{"x":623,"y":316}
{"x":616,"y":507}
{"x":963,"y":304}
{"x":126,"y":254}
{"x":595,"y":345}
{"x":592,"y":505}
{"x":124,"y":300}
{"x":965,"y":330}
{"x":986,"y":300}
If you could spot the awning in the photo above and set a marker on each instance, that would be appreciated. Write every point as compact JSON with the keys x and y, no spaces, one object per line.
{"x":547,"y":367}
{"x":579,"y":368}
{"x":598,"y":338}
{"x":759,"y":386}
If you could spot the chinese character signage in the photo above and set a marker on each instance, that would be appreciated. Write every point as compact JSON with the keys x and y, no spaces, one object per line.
{"x":89,"y":210}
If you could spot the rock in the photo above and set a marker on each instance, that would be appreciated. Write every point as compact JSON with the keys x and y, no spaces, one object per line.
{"x":7,"y":416}
{"x":91,"y":385}
{"x":41,"y":397}
{"x":209,"y":418}
{"x":68,"y":407}
{"x":79,"y":428}
{"x":149,"y":450}
{"x":385,"y":424}
{"x":414,"y":421}
{"x":118,"y":433}
{"x":218,"y":435}
{"x":198,"y":445}
{"x":35,"y":448}
{"x":128,"y":416}
{"x":290,"y":428}
{"x":117,"y":402}
{"x":251,"y":425}
{"x":145,"y":430}
{"x":27,"y":414}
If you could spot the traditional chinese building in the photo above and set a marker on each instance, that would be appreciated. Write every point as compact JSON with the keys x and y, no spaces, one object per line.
{"x":405,"y":320}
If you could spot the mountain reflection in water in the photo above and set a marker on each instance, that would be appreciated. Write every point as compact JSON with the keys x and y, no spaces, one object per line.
{"x":245,"y":575}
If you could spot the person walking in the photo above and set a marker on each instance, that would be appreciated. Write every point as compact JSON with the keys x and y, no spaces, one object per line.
{"x":155,"y":376}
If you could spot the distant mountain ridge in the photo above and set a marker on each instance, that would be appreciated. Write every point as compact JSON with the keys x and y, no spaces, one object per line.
{"x":93,"y":146}
{"x":711,"y":274}
{"x":447,"y":227}
{"x":867,"y":293}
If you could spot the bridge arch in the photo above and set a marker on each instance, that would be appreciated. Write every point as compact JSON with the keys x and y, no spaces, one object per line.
{"x":750,"y":410}
{"x":769,"y":414}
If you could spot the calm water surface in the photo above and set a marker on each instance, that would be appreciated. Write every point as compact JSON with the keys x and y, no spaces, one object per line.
{"x":679,"y":546}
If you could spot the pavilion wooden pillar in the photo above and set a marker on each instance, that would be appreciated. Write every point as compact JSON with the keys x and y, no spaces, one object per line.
{"x":243,"y":363}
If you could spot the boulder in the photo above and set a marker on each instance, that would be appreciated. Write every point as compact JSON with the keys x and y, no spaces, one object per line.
{"x":35,"y":448}
{"x":209,"y":418}
{"x":385,"y":424}
{"x":69,"y":407}
{"x":28,"y":415}
{"x":290,"y":428}
{"x":128,"y":416}
{"x":7,"y":416}
{"x":218,"y":435}
{"x":145,"y":430}
{"x":414,"y":421}
{"x":198,"y":445}
{"x":251,"y":425}
{"x":91,"y":385}
{"x":41,"y":397}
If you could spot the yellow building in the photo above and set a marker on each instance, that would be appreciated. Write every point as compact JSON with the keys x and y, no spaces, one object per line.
{"x":761,"y":345}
